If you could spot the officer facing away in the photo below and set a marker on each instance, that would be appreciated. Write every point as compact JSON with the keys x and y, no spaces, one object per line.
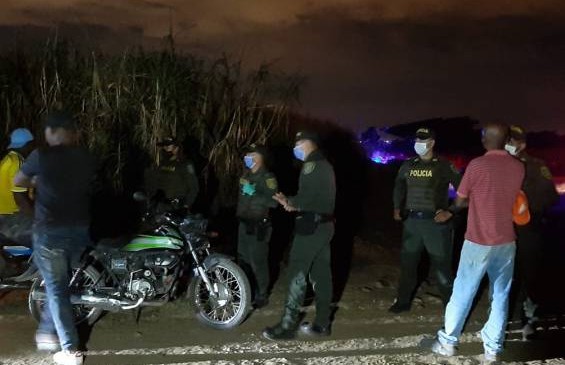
{"x":174,"y":175}
{"x":421,"y":200}
{"x":256,"y":189}
{"x":310,"y":253}
{"x":541,"y":193}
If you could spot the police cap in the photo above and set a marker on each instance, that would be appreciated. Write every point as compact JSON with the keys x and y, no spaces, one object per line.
{"x":168,"y":141}
{"x":312,"y":136}
{"x":517,"y":133}
{"x":425,"y":133}
{"x":257,"y":148}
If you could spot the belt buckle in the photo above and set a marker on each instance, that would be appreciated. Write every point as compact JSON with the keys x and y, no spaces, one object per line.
{"x":420,"y":214}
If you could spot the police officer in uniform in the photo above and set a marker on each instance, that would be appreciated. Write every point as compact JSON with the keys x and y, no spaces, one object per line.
{"x":310,"y":253}
{"x":541,"y":193}
{"x":257,"y":187}
{"x":421,"y":200}
{"x":174,"y":176}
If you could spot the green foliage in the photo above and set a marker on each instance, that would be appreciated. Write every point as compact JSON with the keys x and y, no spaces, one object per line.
{"x":127,"y":102}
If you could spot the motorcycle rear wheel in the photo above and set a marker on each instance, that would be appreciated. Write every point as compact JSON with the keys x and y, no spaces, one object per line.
{"x":83,"y":314}
{"x":232,"y":302}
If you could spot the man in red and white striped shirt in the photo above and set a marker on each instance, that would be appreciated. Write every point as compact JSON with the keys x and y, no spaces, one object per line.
{"x":490,"y":186}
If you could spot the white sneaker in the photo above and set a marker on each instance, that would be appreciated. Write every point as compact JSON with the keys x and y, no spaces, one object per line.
{"x":67,"y":357}
{"x":47,"y":342}
{"x":444,"y":349}
{"x":491,"y":357}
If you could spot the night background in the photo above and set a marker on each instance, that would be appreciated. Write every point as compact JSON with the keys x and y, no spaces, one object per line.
{"x":221,"y":75}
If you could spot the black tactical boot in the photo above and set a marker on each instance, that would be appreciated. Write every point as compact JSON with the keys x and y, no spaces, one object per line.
{"x":260,"y":302}
{"x":286,"y":328}
{"x":398,"y":307}
{"x":279,"y":332}
{"x":312,"y":329}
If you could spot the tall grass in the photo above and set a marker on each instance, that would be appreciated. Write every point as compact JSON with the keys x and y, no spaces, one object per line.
{"x":127,"y":102}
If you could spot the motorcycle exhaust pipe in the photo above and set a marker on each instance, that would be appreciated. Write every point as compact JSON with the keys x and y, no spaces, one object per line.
{"x":10,"y":286}
{"x":99,"y":301}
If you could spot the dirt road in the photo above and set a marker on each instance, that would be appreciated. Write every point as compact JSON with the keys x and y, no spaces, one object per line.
{"x":363,"y":332}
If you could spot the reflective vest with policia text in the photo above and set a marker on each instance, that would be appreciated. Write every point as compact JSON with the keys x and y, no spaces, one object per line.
{"x":424,"y":185}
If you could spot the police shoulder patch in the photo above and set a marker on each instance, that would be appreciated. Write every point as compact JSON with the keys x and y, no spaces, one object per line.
{"x":308,"y":167}
{"x":546,"y":173}
{"x":271,"y":183}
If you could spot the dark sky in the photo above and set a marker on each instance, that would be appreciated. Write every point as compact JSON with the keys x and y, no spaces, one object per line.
{"x":377,"y":62}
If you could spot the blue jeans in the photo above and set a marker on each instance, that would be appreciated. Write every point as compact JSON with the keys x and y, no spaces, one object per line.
{"x":476,"y":260}
{"x":56,"y":251}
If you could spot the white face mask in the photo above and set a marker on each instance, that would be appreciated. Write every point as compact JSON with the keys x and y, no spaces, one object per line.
{"x":511,"y":149}
{"x":421,"y":148}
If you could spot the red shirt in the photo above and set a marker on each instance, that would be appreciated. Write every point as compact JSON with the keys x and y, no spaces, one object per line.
{"x":491,"y":182}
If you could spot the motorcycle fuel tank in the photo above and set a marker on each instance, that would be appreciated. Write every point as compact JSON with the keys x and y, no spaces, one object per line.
{"x":149,"y":242}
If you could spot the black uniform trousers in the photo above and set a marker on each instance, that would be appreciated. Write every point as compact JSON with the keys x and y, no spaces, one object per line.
{"x":437,"y":240}
{"x":529,"y":255}
{"x":310,"y":257}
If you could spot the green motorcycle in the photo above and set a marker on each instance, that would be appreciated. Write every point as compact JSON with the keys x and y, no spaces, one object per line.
{"x":152,"y":269}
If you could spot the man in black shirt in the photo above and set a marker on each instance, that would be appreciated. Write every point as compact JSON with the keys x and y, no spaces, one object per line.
{"x":62,"y":175}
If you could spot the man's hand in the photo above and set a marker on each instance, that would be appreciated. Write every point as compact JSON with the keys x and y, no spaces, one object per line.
{"x":443,"y":216}
{"x":283,"y":200}
{"x":396,"y":215}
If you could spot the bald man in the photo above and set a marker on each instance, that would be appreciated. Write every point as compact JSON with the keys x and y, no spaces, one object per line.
{"x":489,"y":187}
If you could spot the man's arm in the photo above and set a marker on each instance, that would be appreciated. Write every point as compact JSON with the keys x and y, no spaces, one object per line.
{"x":26,"y":178}
{"x":461,"y":202}
{"x":454,"y":176}
{"x":399,"y":193}
{"x":317,"y":186}
{"x":548,"y":191}
{"x":24,"y":202}
{"x":21,"y":179}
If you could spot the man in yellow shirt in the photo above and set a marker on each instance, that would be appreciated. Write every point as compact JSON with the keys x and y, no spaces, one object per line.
{"x":15,"y":207}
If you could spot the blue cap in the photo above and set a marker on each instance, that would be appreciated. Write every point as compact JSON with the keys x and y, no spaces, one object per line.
{"x":20,"y":137}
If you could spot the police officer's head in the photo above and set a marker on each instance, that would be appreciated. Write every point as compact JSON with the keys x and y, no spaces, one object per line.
{"x":255,"y":157}
{"x":60,"y":129}
{"x":424,"y":142}
{"x":170,"y":147}
{"x":494,"y":136}
{"x":517,"y":141}
{"x":306,"y":142}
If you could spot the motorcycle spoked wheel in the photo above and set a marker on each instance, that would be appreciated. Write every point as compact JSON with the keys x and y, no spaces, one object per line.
{"x":233,"y":302}
{"x":82,"y":313}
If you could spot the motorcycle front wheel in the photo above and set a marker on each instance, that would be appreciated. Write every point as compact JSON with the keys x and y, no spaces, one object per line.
{"x":83,"y":314}
{"x":230,"y":300}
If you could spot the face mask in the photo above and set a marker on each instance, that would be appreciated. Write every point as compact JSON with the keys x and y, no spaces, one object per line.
{"x":511,"y":149}
{"x":299,"y":153}
{"x":421,"y":148}
{"x":249,"y":162}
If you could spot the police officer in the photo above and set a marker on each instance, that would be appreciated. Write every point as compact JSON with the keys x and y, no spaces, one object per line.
{"x":257,"y":187}
{"x":541,"y":193}
{"x":310,"y":253}
{"x":174,"y":175}
{"x":421,"y":199}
